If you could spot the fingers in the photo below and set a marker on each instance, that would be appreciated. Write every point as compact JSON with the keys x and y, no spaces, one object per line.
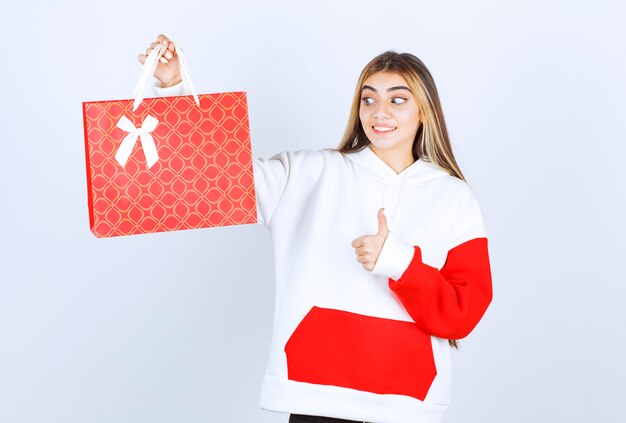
{"x":364,"y":258}
{"x":162,"y":39}
{"x":363,"y":248}
{"x":367,"y":249}
{"x":365,"y":244}
{"x":358,"y":242}
{"x":164,"y":59}
{"x":168,"y":54}
{"x":170,"y":48}
{"x":152,"y":46}
{"x":362,"y":251}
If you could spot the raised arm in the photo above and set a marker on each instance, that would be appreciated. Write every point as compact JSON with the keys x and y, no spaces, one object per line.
{"x":270,"y":175}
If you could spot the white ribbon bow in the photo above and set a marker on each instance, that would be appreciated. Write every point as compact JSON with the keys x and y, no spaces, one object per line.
{"x":147,"y":142}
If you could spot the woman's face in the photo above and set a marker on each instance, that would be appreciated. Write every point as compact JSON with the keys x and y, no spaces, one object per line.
{"x":389,"y":114}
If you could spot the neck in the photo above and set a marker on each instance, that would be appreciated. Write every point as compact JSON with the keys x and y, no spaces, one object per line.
{"x":396,"y":160}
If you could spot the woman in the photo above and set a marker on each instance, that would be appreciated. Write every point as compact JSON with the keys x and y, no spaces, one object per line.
{"x":369,"y":340}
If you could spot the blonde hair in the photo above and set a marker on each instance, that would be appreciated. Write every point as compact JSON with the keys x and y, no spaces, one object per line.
{"x":431,"y":141}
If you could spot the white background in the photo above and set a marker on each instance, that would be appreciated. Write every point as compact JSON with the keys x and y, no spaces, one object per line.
{"x":175,"y":327}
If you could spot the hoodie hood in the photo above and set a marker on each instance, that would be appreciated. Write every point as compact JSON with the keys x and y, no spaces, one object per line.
{"x":395,"y":184}
{"x":417,"y":173}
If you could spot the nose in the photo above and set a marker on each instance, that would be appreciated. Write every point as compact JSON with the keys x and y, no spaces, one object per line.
{"x":381,"y":112}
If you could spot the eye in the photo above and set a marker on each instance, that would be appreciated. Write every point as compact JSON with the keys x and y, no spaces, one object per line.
{"x":366,"y":100}
{"x":402,"y":100}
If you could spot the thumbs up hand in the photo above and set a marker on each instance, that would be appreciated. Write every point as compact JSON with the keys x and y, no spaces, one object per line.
{"x":368,"y":247}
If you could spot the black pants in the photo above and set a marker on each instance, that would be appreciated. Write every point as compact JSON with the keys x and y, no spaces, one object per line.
{"x":301,"y":418}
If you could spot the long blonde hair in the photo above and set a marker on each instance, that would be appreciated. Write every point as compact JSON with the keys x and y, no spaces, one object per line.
{"x":431,"y":141}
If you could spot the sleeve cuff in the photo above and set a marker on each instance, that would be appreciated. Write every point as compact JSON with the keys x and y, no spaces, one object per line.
{"x":394,"y":258}
{"x":174,"y":90}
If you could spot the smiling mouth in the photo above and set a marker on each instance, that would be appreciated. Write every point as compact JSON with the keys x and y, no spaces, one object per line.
{"x":383,"y":129}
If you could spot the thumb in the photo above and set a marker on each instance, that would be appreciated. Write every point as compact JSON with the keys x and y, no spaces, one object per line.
{"x":382,"y":223}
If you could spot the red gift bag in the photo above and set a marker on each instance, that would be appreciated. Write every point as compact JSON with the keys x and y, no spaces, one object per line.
{"x":169,"y":163}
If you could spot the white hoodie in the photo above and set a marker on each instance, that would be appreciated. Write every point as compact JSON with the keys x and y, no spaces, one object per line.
{"x":359,"y":345}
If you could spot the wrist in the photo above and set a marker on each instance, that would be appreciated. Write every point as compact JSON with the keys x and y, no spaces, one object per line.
{"x":171,"y":83}
{"x":394,"y":258}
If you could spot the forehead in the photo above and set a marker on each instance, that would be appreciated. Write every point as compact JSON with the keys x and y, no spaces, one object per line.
{"x":382,"y":80}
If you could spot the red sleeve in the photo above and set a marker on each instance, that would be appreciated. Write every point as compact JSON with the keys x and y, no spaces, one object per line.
{"x":447,"y":303}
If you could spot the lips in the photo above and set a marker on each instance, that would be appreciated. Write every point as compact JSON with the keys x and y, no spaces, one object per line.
{"x":384,"y":129}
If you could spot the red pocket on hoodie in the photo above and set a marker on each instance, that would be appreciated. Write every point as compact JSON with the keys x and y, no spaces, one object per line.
{"x":378,"y":355}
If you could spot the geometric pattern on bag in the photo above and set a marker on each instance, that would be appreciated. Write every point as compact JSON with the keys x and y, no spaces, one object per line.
{"x":203,"y":176}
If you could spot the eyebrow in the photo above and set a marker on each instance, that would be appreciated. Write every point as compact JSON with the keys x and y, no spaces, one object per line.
{"x":399,"y":87}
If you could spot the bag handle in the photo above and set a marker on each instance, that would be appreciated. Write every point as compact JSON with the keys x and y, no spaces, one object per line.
{"x":149,"y":67}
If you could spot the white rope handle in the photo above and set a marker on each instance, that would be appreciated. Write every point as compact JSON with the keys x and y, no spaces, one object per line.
{"x":149,"y":67}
